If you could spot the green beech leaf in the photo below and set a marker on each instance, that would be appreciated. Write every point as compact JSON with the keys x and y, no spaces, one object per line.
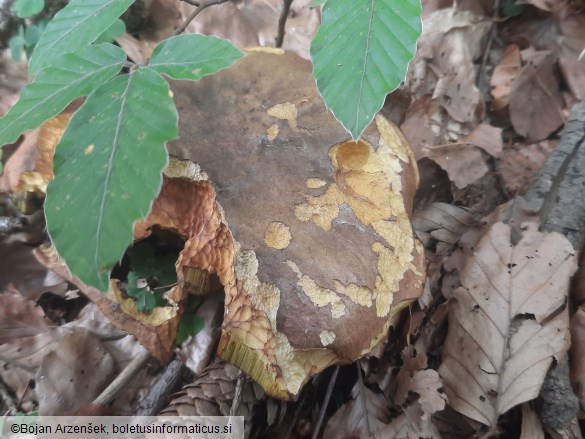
{"x":361,"y":53}
{"x":116,"y":30}
{"x":75,"y":75}
{"x":27,"y":8}
{"x":192,"y":56}
{"x":73,"y":27}
{"x":108,"y":168}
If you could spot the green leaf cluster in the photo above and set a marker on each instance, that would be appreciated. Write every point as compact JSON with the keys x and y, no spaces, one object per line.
{"x":108,"y":165}
{"x":109,"y":161}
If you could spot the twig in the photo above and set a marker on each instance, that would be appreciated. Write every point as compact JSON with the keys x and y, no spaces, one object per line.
{"x":237,"y":395}
{"x":282,"y":22}
{"x":490,"y":41}
{"x":159,"y":393}
{"x":295,"y":418}
{"x":325,"y":403}
{"x":200,"y":7}
{"x":124,"y":378}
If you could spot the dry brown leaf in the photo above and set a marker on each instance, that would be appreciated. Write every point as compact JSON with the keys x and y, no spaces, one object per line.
{"x":504,"y":74}
{"x":442,"y":222}
{"x":520,"y":163}
{"x":412,"y":424}
{"x":19,"y":317}
{"x":19,"y":270}
{"x":427,"y":384}
{"x":20,"y":360}
{"x":444,"y":64}
{"x":414,"y":379}
{"x":73,"y":373}
{"x":436,"y":136}
{"x":536,"y":102}
{"x":486,"y":137}
{"x":349,"y":421}
{"x":411,"y":363}
{"x":253,"y":23}
{"x":572,"y":42}
{"x":505,"y":324}
{"x":531,"y":425}
{"x":464,"y":163}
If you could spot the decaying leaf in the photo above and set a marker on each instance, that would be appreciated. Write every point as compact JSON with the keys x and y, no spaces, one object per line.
{"x":508,"y":321}
{"x":73,"y":373}
{"x":20,"y":318}
{"x":409,"y":425}
{"x":350,"y":420}
{"x":520,"y":163}
{"x":443,"y":223}
{"x":450,"y":144}
{"x":535,"y":98}
{"x":444,"y":65}
{"x":504,"y":75}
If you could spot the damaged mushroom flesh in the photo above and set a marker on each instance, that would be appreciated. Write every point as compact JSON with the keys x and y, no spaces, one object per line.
{"x":307,"y":230}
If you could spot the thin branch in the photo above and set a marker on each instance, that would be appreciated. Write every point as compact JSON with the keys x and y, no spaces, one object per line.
{"x":363,"y":400}
{"x":200,"y":7}
{"x":123,"y":379}
{"x":325,"y":403}
{"x":282,"y":22}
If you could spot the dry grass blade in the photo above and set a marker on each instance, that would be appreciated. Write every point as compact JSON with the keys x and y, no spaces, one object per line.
{"x":507,"y":322}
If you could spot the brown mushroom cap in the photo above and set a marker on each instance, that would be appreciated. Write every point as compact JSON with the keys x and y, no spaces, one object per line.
{"x":308,"y":231}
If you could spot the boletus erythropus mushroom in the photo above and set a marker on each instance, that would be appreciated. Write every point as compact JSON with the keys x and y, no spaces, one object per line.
{"x":307,"y":230}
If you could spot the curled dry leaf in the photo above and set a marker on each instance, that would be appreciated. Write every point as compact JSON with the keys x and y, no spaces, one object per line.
{"x":508,"y":321}
{"x":308,"y":231}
